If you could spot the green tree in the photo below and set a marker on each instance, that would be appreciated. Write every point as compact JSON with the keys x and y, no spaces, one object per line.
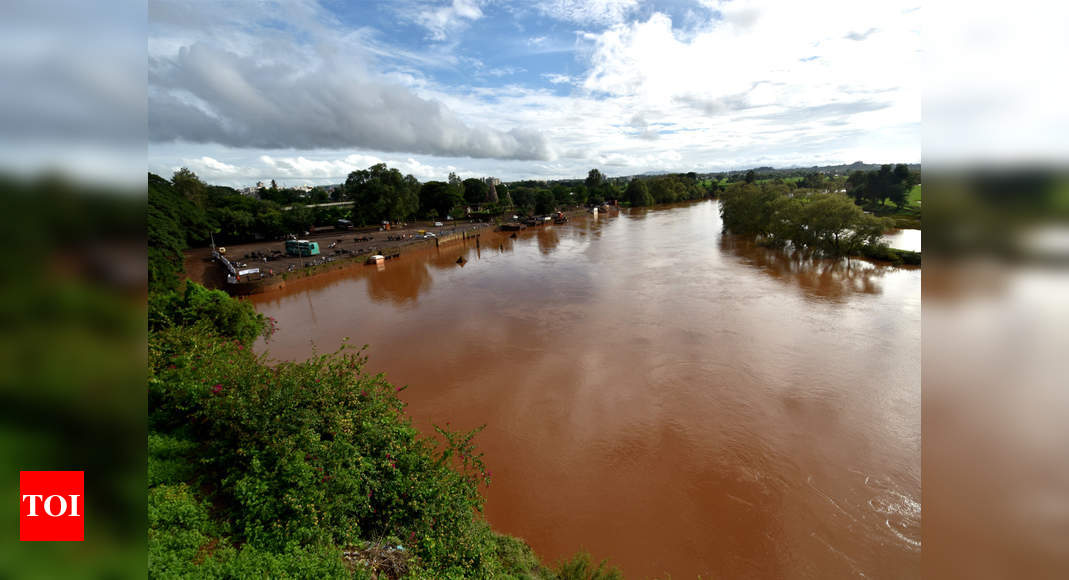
{"x":857,"y":184}
{"x":187,"y":184}
{"x":299,"y":219}
{"x":476,"y":191}
{"x":544,"y":202}
{"x":456,"y":183}
{"x":746,"y":208}
{"x":638,"y":193}
{"x":594,"y":180}
{"x":172,"y":222}
{"x":439,"y":197}
{"x":812,"y":180}
{"x":838,"y":226}
{"x":381,"y":193}
{"x":750,"y":176}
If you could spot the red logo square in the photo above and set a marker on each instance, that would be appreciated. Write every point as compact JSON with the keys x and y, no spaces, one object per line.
{"x":51,"y":506}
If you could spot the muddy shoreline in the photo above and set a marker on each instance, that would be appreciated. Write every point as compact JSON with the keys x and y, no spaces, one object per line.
{"x":351,"y":249}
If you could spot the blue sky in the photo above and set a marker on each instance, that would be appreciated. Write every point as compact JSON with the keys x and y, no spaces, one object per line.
{"x":306,"y":91}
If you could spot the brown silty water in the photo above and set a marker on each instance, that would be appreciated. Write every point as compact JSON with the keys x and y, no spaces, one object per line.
{"x":655,"y":392}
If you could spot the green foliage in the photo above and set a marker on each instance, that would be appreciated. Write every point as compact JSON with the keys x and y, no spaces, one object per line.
{"x":594,"y":179}
{"x":476,"y":191}
{"x":580,"y":567}
{"x":189,"y":186}
{"x":169,"y":459}
{"x":638,"y":194}
{"x":185,"y":541}
{"x":888,"y":183}
{"x":380,"y":193}
{"x":545,"y":202}
{"x":439,"y":197}
{"x":747,"y":208}
{"x":212,"y":310}
{"x":304,"y":459}
{"x":893,"y":255}
{"x":828,"y":222}
{"x":173,"y":223}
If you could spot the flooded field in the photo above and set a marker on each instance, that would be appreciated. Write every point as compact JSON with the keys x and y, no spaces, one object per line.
{"x":662,"y":395}
{"x":904,"y":240}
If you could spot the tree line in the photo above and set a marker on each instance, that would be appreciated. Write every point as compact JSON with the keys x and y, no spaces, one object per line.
{"x":886,"y":184}
{"x":381,"y":193}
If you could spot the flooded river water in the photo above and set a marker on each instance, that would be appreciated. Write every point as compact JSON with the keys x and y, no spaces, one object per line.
{"x":657,"y":393}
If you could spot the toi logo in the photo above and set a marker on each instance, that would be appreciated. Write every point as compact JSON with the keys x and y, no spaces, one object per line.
{"x":51,"y":504}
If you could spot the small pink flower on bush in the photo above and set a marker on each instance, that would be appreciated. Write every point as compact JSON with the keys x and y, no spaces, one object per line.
{"x":217,"y":388}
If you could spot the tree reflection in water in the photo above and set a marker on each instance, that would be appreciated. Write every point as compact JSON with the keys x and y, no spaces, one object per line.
{"x":548,"y":239}
{"x":835,"y":278}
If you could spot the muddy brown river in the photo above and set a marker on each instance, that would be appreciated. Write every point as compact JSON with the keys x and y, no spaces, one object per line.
{"x":676,"y":400}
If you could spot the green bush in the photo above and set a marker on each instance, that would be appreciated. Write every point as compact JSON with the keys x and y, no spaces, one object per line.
{"x":212,"y":310}
{"x":300,"y":456}
{"x":580,"y":567}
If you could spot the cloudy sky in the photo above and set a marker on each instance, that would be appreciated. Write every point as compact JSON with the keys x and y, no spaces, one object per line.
{"x":305,"y":91}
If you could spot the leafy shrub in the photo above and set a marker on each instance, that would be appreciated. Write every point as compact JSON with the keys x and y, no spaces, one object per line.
{"x":169,"y":459}
{"x":305,"y":455}
{"x":211,"y":310}
{"x":580,"y":567}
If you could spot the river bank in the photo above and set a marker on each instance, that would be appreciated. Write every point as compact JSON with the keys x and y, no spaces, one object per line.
{"x":340,"y":250}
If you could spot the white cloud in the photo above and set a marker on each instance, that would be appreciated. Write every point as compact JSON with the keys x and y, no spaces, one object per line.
{"x":336,"y":170}
{"x":769,"y":71}
{"x":442,"y":21}
{"x":587,"y":12}
{"x":557,"y":79}
{"x":273,"y":93}
{"x":215,"y":166}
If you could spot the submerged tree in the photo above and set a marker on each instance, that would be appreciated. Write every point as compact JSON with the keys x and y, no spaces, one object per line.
{"x":829,"y":222}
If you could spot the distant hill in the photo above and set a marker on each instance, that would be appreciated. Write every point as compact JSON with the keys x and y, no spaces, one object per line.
{"x":766,"y":172}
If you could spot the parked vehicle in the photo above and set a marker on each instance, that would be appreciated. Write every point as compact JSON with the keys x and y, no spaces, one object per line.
{"x":302,"y":248}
